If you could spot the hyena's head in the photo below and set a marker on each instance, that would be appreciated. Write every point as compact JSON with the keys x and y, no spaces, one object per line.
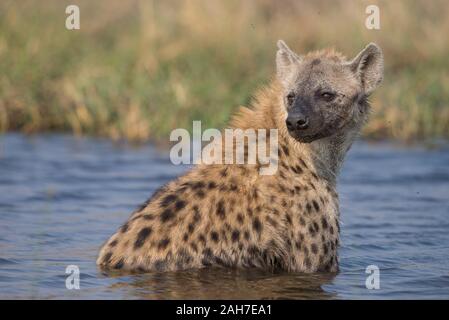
{"x":324,"y":94}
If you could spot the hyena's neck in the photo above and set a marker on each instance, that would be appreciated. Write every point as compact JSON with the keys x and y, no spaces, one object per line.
{"x":328,"y":154}
{"x":325,"y":155}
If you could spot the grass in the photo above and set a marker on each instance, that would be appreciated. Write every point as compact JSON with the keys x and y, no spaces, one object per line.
{"x":137,"y":69}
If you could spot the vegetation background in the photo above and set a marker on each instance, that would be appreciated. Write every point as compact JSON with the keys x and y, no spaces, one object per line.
{"x":137,"y":69}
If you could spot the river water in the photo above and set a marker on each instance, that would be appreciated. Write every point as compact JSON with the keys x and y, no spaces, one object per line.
{"x":61,"y":197}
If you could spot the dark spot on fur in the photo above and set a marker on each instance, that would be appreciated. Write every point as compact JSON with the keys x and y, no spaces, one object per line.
{"x":214,"y":236}
{"x":119,"y":264}
{"x":296,"y":169}
{"x":303,"y":163}
{"x":141,"y":269}
{"x":202,"y":238}
{"x":325,"y":248}
{"x":198,"y":185}
{"x":315,"y":205}
{"x":205,"y":262}
{"x":166,"y":215}
{"x":312,"y":231}
{"x":200,"y":194}
{"x":197,"y":214}
{"x":191,"y":227}
{"x":148,"y":216}
{"x":315,"y":62}
{"x":257,"y":226}
{"x":168,"y":199}
{"x":284,"y":203}
{"x":142,"y":236}
{"x":314,"y":248}
{"x":253,"y":250}
{"x":207,"y":257}
{"x":221,"y":262}
{"x":255,"y":194}
{"x":224,"y":172}
{"x":207,"y":252}
{"x":324,"y":223}
{"x":124,"y":228}
{"x":113,"y":243}
{"x":331,"y":229}
{"x":282,"y":188}
{"x":235,"y":235}
{"x":211,"y":185}
{"x":285,"y":150}
{"x":309,"y":208}
{"x":160,"y":265}
{"x":107,"y":257}
{"x":272,"y":221}
{"x":135,"y":217}
{"x":302,"y":221}
{"x":305,"y":249}
{"x":163,"y":243}
{"x":180,"y":204}
{"x":240,"y":218}
{"x":221,"y":212}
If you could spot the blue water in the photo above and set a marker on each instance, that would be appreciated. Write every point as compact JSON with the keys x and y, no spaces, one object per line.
{"x":61,"y":197}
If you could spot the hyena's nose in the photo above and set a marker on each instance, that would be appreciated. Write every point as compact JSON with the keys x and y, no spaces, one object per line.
{"x":297,"y":121}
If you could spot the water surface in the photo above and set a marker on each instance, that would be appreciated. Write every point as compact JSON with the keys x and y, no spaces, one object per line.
{"x":62,"y":197}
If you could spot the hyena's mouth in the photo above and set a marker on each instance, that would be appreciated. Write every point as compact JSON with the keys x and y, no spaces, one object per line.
{"x":306,"y":138}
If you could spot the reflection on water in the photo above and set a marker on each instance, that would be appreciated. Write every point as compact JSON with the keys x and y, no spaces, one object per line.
{"x":226,"y":284}
{"x":61,"y":197}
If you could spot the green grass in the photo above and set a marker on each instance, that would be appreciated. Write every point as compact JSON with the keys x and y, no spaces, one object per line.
{"x":136,"y":70}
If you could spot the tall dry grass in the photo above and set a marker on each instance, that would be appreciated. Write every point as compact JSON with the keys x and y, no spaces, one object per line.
{"x":138,"y":69}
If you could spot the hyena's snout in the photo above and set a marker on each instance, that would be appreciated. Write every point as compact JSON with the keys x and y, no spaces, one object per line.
{"x":297,"y":121}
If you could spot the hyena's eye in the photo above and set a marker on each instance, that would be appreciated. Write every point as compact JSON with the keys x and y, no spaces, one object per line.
{"x":327,"y":96}
{"x":290,"y":98}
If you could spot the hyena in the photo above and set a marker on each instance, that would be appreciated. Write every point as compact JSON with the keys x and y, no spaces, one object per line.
{"x":229,"y":215}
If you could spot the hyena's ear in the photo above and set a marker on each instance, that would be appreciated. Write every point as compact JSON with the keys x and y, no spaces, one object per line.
{"x":368,"y":65}
{"x":286,"y":60}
